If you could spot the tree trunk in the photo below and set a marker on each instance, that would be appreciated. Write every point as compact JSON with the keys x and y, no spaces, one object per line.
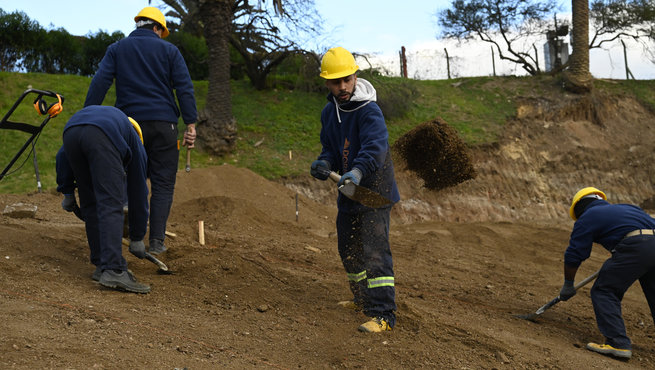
{"x":577,"y":78}
{"x":217,"y":129}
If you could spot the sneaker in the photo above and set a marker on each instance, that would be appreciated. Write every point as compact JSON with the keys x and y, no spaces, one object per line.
{"x":350,"y":305}
{"x":96,"y":274}
{"x":375,"y":325}
{"x":156,"y":246}
{"x":123,"y":280}
{"x":606,"y":349}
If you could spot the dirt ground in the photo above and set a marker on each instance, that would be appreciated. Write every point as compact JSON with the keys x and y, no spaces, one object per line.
{"x":262,"y":291}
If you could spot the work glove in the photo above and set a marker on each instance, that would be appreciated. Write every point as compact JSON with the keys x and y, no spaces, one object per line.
{"x":69,"y":203}
{"x":137,"y":248}
{"x":320,"y":169}
{"x":354,"y":176}
{"x":567,"y":291}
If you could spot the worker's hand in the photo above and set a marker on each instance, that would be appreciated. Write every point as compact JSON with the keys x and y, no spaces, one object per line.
{"x":189,"y":136}
{"x":354,"y":176}
{"x":567,"y":291}
{"x":137,"y":248}
{"x":69,"y":204}
{"x":320,"y":169}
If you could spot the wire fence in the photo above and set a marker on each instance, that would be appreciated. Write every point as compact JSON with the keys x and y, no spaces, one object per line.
{"x":446,"y":60}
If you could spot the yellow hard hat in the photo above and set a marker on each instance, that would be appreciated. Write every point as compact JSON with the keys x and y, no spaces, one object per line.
{"x":156,"y":15}
{"x":336,"y":63}
{"x":581,"y":194}
{"x":137,"y":128}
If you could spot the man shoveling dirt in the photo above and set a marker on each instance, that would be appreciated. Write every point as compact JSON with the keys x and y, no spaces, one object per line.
{"x":355,"y":144}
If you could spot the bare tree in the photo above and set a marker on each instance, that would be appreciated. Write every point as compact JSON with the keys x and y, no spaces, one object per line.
{"x":614,"y":20}
{"x":503,"y":23}
{"x":262,"y":39}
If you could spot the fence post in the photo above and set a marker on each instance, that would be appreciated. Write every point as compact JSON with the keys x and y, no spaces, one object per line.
{"x":536,"y":56}
{"x":403,"y":62}
{"x":447,"y":62}
{"x":628,"y":73}
{"x":493,"y":60}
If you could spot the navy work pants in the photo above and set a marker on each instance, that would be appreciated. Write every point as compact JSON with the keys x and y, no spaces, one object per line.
{"x":633,"y":259}
{"x":160,"y":142}
{"x":101,"y":183}
{"x":365,"y":253}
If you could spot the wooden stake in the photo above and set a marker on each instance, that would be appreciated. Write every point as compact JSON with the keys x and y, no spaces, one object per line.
{"x":170,"y":234}
{"x":201,"y":232}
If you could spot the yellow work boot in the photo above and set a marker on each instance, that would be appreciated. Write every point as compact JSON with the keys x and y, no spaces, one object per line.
{"x":606,"y":349}
{"x":375,"y":325}
{"x":350,"y":305}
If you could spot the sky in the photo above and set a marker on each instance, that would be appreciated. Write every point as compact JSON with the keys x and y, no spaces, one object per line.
{"x":376,"y":27}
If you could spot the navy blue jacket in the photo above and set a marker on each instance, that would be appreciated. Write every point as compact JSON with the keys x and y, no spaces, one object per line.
{"x":354,"y":135}
{"x":605,"y":224}
{"x":122,"y":134}
{"x":147,"y":69}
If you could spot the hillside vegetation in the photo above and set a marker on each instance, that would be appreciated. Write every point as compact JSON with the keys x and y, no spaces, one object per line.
{"x":279,"y":128}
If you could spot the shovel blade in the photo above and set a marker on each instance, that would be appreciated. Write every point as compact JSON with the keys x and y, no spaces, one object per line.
{"x":162,"y":267}
{"x":363,"y":195}
{"x":358,"y":193}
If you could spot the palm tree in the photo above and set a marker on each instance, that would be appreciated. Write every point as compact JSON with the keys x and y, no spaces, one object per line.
{"x":213,"y":19}
{"x":218,"y":125}
{"x":578,"y":78}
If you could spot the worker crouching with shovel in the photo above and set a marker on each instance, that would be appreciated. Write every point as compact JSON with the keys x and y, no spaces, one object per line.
{"x":629,"y":234}
{"x":355,"y":144}
{"x":103,"y":156}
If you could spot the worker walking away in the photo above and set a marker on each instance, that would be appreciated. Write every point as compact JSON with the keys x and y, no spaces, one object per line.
{"x":149,"y":74}
{"x":354,"y":141}
{"x":103,"y":156}
{"x":629,"y":234}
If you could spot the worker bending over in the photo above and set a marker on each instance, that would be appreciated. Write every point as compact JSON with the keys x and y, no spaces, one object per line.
{"x":628,"y":233}
{"x":103,"y":156}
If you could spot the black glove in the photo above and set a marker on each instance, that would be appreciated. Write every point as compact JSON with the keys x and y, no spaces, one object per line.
{"x":137,"y":248}
{"x":567,"y":291}
{"x":69,"y":204}
{"x":354,"y":176}
{"x":320,"y":169}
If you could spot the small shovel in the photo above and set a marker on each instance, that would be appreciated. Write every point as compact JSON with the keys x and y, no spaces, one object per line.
{"x":533,"y":316}
{"x":163,"y":269}
{"x":187,"y":168}
{"x":360,"y":194}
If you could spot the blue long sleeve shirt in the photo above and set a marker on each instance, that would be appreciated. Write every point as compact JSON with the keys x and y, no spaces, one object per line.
{"x":605,"y":224}
{"x":124,"y":137}
{"x":354,"y":135}
{"x":149,"y":74}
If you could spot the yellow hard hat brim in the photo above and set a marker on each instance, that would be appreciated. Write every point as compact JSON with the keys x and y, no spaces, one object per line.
{"x":137,"y":128}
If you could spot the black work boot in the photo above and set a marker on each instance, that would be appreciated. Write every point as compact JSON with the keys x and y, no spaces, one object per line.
{"x":156,"y":246}
{"x":122,"y":280}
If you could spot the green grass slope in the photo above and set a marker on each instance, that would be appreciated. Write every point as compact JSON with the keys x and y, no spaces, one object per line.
{"x":278,"y":130}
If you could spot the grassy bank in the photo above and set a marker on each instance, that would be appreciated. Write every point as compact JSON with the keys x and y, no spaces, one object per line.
{"x":279,"y":129}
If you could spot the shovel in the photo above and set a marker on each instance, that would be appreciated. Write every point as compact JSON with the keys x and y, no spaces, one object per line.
{"x":533,"y":316}
{"x":360,"y":194}
{"x":187,"y":168}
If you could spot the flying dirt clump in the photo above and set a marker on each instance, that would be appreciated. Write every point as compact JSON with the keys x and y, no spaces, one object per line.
{"x":435,"y":152}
